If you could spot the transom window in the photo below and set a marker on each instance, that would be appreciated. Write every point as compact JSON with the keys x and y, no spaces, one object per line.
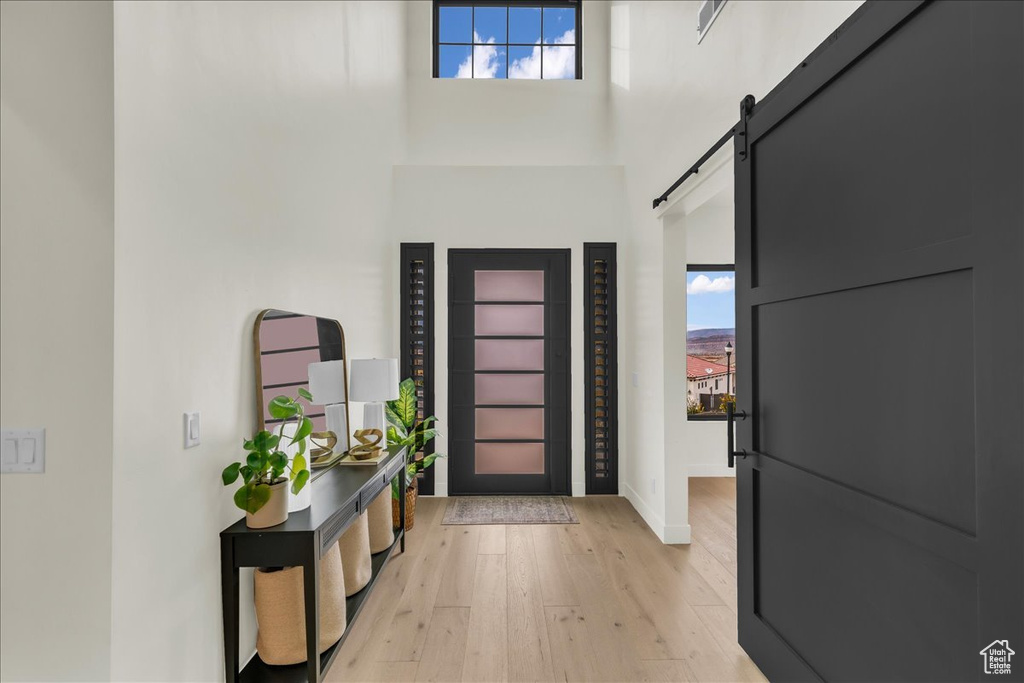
{"x":538,"y":39}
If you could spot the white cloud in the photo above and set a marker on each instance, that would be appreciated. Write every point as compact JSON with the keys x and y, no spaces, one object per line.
{"x":558,"y":62}
{"x":702,"y":284}
{"x":485,"y":60}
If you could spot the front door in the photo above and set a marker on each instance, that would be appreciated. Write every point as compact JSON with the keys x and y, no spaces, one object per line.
{"x":880,"y":316}
{"x":508,"y":365}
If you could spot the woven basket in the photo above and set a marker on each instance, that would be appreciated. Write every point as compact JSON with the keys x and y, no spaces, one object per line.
{"x":281,"y":611}
{"x":410,"y":507}
{"x":382,"y":532}
{"x":355,"y":555}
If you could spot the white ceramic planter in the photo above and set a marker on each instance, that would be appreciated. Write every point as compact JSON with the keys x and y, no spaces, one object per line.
{"x":274,"y":511}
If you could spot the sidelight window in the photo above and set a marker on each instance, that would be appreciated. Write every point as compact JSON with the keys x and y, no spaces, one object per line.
{"x":539,"y":39}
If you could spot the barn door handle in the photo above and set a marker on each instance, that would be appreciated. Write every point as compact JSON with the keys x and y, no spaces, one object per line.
{"x":731,"y":415}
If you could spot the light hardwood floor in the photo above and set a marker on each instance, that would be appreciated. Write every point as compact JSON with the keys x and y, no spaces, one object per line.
{"x":602,"y":600}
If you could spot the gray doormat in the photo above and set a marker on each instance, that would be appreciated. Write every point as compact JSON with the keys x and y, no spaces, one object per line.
{"x":509,"y":510}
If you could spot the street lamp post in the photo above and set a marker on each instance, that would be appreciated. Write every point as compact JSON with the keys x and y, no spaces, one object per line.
{"x":728,"y":368}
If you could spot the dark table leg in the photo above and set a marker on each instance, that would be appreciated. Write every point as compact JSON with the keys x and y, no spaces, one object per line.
{"x":311,"y":591}
{"x":229,"y":596}
{"x":401,"y":506}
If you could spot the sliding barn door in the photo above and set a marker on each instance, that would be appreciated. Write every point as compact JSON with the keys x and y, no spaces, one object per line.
{"x":880,"y":308}
{"x":508,"y":370}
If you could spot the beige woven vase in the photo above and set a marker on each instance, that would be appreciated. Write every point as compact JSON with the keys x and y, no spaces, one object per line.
{"x":382,"y":534}
{"x":355,"y":555}
{"x":281,"y":615}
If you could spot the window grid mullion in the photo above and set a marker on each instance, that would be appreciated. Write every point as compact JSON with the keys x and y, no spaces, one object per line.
{"x":541,"y":44}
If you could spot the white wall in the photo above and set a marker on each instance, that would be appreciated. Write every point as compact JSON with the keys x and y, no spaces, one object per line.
{"x":56,"y":354}
{"x":670,"y":100}
{"x":253,"y":167}
{"x":514,"y":122}
{"x":514,"y":206}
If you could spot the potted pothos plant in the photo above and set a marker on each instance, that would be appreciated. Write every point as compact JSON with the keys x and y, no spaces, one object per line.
{"x":264,"y":490}
{"x":404,"y":430}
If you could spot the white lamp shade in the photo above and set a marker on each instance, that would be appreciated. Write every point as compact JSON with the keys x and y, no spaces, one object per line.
{"x":327,"y":382}
{"x":374,"y":380}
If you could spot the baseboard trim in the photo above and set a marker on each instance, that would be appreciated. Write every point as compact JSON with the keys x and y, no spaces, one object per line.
{"x":579,"y":489}
{"x":711,"y":471}
{"x":679,"y":534}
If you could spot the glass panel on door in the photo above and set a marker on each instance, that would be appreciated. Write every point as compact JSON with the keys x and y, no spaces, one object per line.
{"x":509,"y":372}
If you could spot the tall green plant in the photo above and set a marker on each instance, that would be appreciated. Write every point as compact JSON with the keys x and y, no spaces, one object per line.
{"x":265,"y":463}
{"x":405,"y":431}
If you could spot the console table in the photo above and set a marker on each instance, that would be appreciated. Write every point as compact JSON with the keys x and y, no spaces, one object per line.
{"x":340,"y":494}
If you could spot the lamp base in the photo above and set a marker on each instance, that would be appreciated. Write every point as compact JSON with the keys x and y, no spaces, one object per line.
{"x":373,"y":418}
{"x":337,"y":422}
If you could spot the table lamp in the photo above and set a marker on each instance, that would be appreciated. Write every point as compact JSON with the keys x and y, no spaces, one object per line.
{"x":327,"y":384}
{"x":374,"y":381}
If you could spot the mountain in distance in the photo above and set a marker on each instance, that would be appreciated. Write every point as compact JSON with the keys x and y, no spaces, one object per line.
{"x":723,"y":332}
{"x":710,"y":342}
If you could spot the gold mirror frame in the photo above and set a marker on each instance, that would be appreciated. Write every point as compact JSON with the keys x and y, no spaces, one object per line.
{"x":258,"y":355}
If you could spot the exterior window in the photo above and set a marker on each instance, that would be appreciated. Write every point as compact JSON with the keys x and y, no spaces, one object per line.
{"x":710,"y":340}
{"x":539,"y":39}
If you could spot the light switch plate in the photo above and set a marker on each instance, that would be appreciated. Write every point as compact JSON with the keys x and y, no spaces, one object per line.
{"x":23,"y":451}
{"x":192,"y":429}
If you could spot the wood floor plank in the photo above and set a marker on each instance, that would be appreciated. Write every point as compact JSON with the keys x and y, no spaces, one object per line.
{"x":398,"y":672}
{"x":571,"y":650}
{"x":487,"y":645}
{"x":721,"y":622}
{"x":557,"y":586}
{"x":615,"y":657}
{"x":445,"y":646}
{"x":408,"y":632}
{"x":574,"y":539}
{"x":657,"y":559}
{"x":650,"y":640}
{"x":492,"y":540}
{"x":456,"y":589}
{"x":529,"y":653}
{"x":667,"y":671}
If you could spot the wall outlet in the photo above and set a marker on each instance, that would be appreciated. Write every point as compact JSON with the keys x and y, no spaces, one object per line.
{"x":636,"y":379}
{"x":654,"y":485}
{"x":23,"y":451}
{"x":192,"y":429}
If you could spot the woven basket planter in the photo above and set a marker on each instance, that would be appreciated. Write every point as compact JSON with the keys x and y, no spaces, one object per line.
{"x":281,"y":610}
{"x":382,"y":532}
{"x":410,"y":507}
{"x":355,"y":555}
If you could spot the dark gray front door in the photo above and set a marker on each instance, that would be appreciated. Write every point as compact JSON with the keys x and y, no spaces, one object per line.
{"x":508,"y":370}
{"x":880,"y":315}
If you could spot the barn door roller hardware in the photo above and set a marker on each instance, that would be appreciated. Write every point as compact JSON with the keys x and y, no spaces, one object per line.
{"x":740,"y":130}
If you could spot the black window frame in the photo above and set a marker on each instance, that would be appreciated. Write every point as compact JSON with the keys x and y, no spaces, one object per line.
{"x":562,"y":4}
{"x":704,"y":267}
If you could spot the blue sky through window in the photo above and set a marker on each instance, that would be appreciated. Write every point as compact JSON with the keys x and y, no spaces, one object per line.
{"x":488,"y":35}
{"x":710,"y":299}
{"x":524,"y":25}
{"x":490,"y":24}
{"x":557,"y":21}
